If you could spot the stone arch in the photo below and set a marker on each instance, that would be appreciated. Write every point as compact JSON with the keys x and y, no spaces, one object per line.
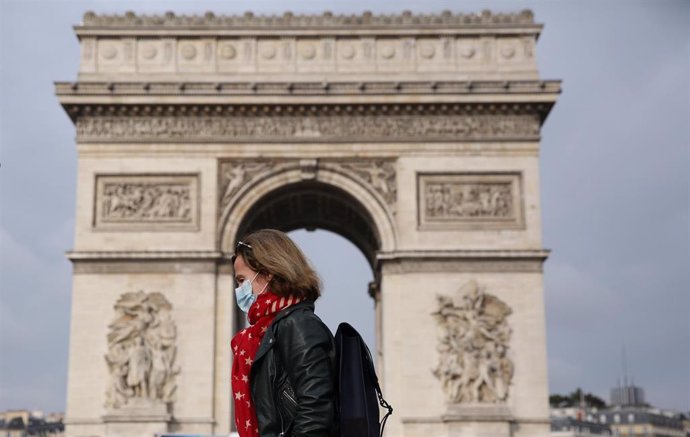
{"x":415,"y":143}
{"x":287,"y":182}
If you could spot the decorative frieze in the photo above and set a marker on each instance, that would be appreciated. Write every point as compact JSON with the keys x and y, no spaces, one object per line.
{"x":142,"y":351}
{"x":374,"y":56}
{"x":309,"y":127}
{"x":470,"y":44}
{"x":470,"y":201}
{"x":154,"y":202}
{"x":473,"y":346}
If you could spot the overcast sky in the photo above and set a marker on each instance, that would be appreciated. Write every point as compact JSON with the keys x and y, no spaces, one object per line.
{"x":614,"y":178}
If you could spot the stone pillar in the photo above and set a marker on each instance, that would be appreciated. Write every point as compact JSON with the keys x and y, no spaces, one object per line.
{"x":464,"y":344}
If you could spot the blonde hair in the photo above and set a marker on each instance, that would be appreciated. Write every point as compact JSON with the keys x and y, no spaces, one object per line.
{"x":269,"y":251}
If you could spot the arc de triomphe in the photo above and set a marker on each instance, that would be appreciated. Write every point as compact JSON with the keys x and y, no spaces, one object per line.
{"x":416,"y":137}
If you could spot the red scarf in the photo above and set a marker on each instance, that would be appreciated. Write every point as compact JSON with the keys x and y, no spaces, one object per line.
{"x":244,"y":347}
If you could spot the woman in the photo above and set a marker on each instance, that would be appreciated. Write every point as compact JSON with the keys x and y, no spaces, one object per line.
{"x":284,"y":362}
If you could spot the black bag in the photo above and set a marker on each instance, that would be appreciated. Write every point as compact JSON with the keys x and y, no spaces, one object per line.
{"x":359,"y":394}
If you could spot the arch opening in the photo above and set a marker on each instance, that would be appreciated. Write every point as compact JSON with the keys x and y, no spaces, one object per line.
{"x":349,"y":279}
{"x":314,"y":205}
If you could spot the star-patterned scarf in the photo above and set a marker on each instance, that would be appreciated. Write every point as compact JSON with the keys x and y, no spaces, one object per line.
{"x":244,"y":347}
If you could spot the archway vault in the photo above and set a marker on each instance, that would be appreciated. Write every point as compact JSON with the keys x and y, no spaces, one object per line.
{"x":292,"y":196}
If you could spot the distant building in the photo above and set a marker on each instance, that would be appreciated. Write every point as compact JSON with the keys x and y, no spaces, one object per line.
{"x":627,"y":395}
{"x":24,"y":423}
{"x":631,"y":416}
{"x":627,"y":416}
{"x":571,"y":427}
{"x":643,"y":422}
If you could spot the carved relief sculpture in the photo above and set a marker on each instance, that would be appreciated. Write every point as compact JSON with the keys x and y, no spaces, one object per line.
{"x":139,"y":202}
{"x":306,"y":128}
{"x":234,"y":174}
{"x":123,"y":201}
{"x":445,"y":200}
{"x":378,"y":173}
{"x":470,"y":200}
{"x":141,"y":350}
{"x":473,"y":346}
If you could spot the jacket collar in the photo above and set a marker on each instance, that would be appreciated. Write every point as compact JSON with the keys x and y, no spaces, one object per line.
{"x":306,"y":304}
{"x":269,"y":337}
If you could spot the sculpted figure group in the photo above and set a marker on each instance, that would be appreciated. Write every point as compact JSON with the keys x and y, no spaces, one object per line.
{"x":141,"y":350}
{"x":469,"y":200}
{"x":473,"y":345}
{"x":146,"y":202}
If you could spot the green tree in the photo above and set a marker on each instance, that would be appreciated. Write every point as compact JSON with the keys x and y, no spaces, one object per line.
{"x":572,"y":399}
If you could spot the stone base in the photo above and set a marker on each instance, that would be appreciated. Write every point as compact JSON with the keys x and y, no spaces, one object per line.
{"x":477,"y":413}
{"x":139,"y":418}
{"x":478,"y":420}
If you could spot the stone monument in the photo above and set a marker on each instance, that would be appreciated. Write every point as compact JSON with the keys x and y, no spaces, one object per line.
{"x":414,"y":136}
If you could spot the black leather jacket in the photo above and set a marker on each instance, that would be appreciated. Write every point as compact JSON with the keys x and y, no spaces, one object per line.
{"x":293,"y":376}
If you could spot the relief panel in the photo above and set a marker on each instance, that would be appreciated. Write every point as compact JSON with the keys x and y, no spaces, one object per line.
{"x":470,"y":201}
{"x":147,"y":202}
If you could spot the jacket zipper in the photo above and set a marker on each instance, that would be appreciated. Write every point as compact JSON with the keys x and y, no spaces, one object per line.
{"x":280,"y":414}
{"x":292,"y":400}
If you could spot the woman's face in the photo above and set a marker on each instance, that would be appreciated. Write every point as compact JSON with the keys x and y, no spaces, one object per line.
{"x":244,"y":272}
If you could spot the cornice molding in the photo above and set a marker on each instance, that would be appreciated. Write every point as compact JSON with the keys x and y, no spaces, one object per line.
{"x":289,"y":20}
{"x":538,"y":254}
{"x":173,"y":255}
{"x":308,"y":88}
{"x":126,"y":262}
{"x":462,"y":261}
{"x":277,"y":110}
{"x":137,"y":99}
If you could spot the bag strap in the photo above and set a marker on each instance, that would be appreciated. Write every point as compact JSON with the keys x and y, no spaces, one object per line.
{"x":385,"y":405}
{"x":379,"y":393}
